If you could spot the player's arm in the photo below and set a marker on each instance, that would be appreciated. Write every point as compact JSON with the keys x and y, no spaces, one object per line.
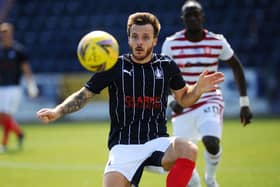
{"x":239,"y":75}
{"x":173,"y":104}
{"x":188,"y":95}
{"x":31,"y":85}
{"x":73,"y":103}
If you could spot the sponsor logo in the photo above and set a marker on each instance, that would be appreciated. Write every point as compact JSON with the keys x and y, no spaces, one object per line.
{"x":146,"y":102}
{"x":128,"y":72}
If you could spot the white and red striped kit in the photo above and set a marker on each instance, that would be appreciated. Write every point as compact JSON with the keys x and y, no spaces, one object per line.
{"x":195,"y":57}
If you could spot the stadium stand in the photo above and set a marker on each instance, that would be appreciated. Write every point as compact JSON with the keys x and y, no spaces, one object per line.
{"x":52,"y":29}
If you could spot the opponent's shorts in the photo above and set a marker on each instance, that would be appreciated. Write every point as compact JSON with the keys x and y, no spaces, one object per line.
{"x":130,"y":160}
{"x":206,"y":120}
{"x":9,"y":98}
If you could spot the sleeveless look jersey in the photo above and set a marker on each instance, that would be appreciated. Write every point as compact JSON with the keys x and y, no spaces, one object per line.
{"x":138,"y":97}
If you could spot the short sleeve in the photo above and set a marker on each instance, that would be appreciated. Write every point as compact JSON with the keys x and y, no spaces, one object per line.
{"x":176,"y":81}
{"x":165,"y":49}
{"x":227,"y":51}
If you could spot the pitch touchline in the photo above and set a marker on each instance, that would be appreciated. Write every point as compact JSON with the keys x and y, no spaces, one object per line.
{"x":46,"y":166}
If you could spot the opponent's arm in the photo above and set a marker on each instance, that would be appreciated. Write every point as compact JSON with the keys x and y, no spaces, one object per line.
{"x":73,"y":103}
{"x":31,"y":85}
{"x":175,"y":107}
{"x":239,"y":75}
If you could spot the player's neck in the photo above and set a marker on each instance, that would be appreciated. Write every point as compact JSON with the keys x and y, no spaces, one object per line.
{"x":195,"y":36}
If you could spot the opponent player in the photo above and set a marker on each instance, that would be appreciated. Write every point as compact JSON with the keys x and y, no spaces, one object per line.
{"x":195,"y":50}
{"x":13,"y":63}
{"x":138,"y":89}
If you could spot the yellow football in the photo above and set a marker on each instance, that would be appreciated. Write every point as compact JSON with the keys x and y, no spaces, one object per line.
{"x":98,"y":51}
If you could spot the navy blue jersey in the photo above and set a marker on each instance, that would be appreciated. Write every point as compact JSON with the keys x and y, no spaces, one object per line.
{"x":11,"y":60}
{"x":138,"y":97}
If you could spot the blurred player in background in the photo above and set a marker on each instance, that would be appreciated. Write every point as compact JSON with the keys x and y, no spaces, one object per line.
{"x":195,"y":50}
{"x":139,"y":84}
{"x":13,"y":63}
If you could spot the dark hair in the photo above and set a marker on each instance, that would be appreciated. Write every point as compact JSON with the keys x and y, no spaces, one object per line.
{"x":193,"y":3}
{"x":143,"y":18}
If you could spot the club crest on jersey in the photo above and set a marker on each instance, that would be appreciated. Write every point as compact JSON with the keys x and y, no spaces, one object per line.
{"x":182,"y":51}
{"x":158,"y":74}
{"x":207,"y":50}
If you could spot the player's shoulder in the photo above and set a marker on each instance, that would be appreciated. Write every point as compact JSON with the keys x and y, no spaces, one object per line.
{"x":213,"y":35}
{"x":164,"y":60}
{"x":125,"y":58}
{"x":123,"y":61}
{"x":176,"y":36}
{"x":162,"y":57}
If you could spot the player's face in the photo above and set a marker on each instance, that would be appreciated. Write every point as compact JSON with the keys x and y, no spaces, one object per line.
{"x":193,"y":18}
{"x":141,"y":42}
{"x":2,"y":34}
{"x":5,"y":35}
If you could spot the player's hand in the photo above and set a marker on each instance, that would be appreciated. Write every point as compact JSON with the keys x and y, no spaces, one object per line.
{"x":208,"y":82}
{"x":176,"y":107}
{"x":47,"y":115}
{"x":245,"y":115}
{"x":32,"y":89}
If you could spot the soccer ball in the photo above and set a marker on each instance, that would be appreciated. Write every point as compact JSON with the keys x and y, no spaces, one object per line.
{"x":98,"y":51}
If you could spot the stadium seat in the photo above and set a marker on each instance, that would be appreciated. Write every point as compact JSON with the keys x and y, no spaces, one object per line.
{"x":52,"y":29}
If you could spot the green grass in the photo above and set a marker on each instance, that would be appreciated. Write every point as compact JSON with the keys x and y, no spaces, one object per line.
{"x":60,"y":155}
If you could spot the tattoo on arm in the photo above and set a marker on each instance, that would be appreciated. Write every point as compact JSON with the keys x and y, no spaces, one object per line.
{"x":75,"y":102}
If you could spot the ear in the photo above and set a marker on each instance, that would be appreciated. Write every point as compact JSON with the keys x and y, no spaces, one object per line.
{"x":155,"y":41}
{"x":128,"y":40}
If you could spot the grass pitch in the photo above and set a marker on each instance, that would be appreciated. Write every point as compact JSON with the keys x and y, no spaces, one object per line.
{"x":74,"y":155}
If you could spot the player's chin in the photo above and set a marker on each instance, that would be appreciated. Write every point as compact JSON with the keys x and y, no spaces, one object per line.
{"x":139,"y":55}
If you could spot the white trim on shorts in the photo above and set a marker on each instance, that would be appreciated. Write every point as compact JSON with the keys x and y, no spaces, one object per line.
{"x":126,"y":159}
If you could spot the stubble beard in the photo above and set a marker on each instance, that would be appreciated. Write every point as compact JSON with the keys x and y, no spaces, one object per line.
{"x":141,"y":58}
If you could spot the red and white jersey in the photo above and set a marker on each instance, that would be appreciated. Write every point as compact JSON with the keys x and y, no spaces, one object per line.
{"x":195,"y":57}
